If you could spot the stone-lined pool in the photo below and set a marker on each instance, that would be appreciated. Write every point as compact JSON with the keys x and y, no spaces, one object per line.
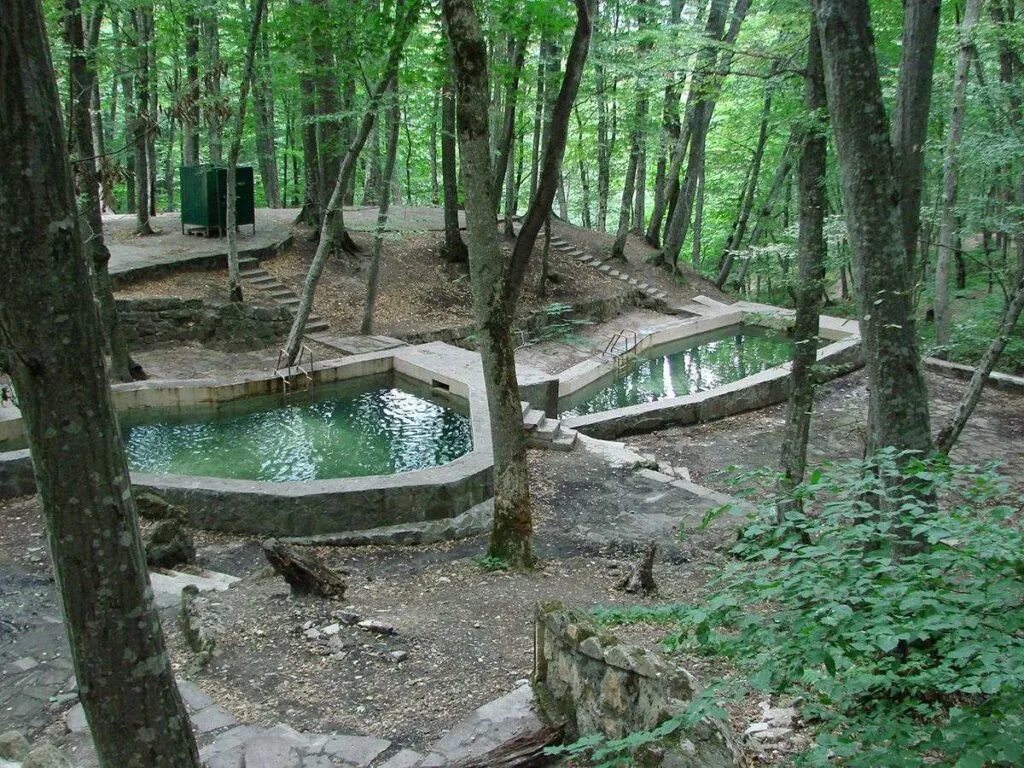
{"x":372,"y":426}
{"x":692,"y":364}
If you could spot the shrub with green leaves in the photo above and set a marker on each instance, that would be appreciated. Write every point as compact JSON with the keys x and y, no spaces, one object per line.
{"x":901,"y":632}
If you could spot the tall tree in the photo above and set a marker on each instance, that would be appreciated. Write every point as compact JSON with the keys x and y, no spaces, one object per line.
{"x":392,"y":120}
{"x":951,"y":174}
{"x":145,"y":120}
{"x":125,"y":681}
{"x":82,"y":81}
{"x":497,"y":281}
{"x":231,"y":204}
{"x":454,"y":247}
{"x":898,"y":397}
{"x":332,"y":228}
{"x":910,"y":116}
{"x":809,"y":287}
{"x":190,"y":138}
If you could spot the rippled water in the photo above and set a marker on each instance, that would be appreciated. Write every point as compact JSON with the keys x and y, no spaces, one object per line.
{"x":341,"y":430}
{"x":690,"y":365}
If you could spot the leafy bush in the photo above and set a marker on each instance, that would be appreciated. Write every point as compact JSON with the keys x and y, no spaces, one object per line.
{"x":901,"y":633}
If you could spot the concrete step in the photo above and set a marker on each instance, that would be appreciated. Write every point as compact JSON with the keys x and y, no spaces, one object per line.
{"x":565,"y":441}
{"x":263,"y":281}
{"x":533,"y":419}
{"x":280,"y":293}
{"x":525,"y":406}
{"x":248,"y":261}
{"x":605,"y":268}
{"x":614,"y":272}
{"x":316,"y":326}
{"x":548,"y":429}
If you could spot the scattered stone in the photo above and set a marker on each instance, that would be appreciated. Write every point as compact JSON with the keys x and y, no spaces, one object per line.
{"x":150,"y":506}
{"x":347,"y":617}
{"x":331,"y":629}
{"x":75,"y":719}
{"x":201,"y":641}
{"x":640,"y":579}
{"x":13,"y":746}
{"x":312,"y":633}
{"x":303,"y":571}
{"x":23,"y":664}
{"x":407,"y":758}
{"x":377,"y":627}
{"x":46,"y":755}
{"x":769,"y":735}
{"x":398,"y":656}
{"x":169,"y":544}
{"x":167,"y":585}
{"x":355,"y":750}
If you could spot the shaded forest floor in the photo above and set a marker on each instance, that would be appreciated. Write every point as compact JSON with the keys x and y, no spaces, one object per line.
{"x":466,"y":631}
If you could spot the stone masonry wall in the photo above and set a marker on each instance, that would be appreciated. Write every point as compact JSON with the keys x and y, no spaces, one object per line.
{"x":597,"y":684}
{"x":151,"y":322}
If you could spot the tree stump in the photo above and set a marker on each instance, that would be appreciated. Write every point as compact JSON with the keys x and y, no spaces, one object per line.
{"x":303,"y":571}
{"x":640,"y":578}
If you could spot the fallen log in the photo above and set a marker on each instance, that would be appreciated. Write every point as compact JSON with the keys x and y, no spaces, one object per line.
{"x":303,"y":571}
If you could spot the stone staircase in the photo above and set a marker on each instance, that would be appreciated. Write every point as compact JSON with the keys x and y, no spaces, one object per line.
{"x":612,"y":268}
{"x":254,"y":276}
{"x":542,"y":432}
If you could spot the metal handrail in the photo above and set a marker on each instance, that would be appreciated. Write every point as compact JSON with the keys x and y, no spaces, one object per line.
{"x":288,"y":372}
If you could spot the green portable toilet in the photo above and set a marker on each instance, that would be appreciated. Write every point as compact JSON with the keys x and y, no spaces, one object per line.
{"x":204,"y":199}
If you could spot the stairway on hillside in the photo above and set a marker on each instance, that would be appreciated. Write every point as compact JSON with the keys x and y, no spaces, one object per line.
{"x":612,"y":268}
{"x":253,"y":275}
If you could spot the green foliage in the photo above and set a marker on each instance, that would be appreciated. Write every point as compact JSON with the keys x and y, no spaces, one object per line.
{"x":558,"y":324}
{"x":490,"y":563}
{"x":976,"y":322}
{"x":900,"y":632}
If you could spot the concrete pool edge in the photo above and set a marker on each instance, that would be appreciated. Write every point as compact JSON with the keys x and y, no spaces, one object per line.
{"x":842,"y":355}
{"x":320,"y":507}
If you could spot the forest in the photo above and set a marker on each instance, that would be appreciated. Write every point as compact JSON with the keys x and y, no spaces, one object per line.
{"x":360,"y":357}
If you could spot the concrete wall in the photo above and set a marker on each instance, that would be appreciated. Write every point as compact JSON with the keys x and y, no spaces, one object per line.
{"x":169,"y":320}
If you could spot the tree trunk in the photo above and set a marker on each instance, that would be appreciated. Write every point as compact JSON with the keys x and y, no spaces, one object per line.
{"x":704,"y":85}
{"x":142,"y":19}
{"x":392,"y":123}
{"x":332,"y":229}
{"x":734,"y":241}
{"x":604,"y":148}
{"x":670,"y":132}
{"x":234,"y":282}
{"x":435,"y":115}
{"x":190,"y":155}
{"x":125,"y":681}
{"x":517,"y":56}
{"x":898,"y":398}
{"x":811,"y":251}
{"x":951,"y":175}
{"x":766,"y":212}
{"x":82,"y":76}
{"x":949,"y":434}
{"x":496,"y":283}
{"x":215,"y":106}
{"x":910,"y":115}
{"x":263,"y":111}
{"x":454,"y":248}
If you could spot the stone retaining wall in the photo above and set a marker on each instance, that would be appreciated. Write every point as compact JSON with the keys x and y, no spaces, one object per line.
{"x":169,"y":320}
{"x":594,"y":311}
{"x":596,"y":684}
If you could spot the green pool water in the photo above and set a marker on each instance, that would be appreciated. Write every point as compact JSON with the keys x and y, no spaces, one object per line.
{"x":341,"y":430}
{"x":690,"y":365}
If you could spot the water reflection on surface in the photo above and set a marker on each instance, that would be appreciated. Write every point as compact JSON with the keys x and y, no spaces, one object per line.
{"x":339,"y":431}
{"x":691,"y":365}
